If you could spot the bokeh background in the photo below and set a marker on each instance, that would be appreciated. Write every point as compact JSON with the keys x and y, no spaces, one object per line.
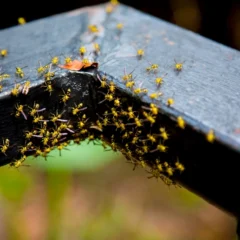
{"x":88,"y":193}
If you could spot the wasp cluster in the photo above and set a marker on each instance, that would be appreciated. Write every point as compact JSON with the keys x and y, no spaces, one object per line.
{"x":138,"y":130}
{"x":116,"y":120}
{"x":110,"y":117}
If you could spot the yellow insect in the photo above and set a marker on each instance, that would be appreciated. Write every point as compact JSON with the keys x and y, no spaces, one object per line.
{"x":15,"y":91}
{"x":138,"y":122}
{"x":111,"y":6}
{"x":152,"y":68}
{"x":19,"y":111}
{"x":19,"y":72}
{"x":127,"y":77}
{"x":37,"y":119}
{"x":178,"y":66}
{"x":19,"y":163}
{"x":65,"y":126}
{"x":159,"y":165}
{"x":210,"y":136}
{"x":170,"y":101}
{"x":82,"y":50}
{"x":180,"y":122}
{"x":153,"y":109}
{"x":117,"y":102}
{"x":114,"y":2}
{"x":119,"y":26}
{"x":96,"y":48}
{"x":162,"y":148}
{"x":140,"y":52}
{"x":23,"y":149}
{"x":45,"y":140}
{"x":155,"y":95}
{"x":149,"y":117}
{"x":151,"y":138}
{"x":159,"y":80}
{"x":48,"y":87}
{"x":109,"y":97}
{"x":130,"y":113}
{"x":130,"y":84}
{"x":55,"y":60}
{"x":78,"y":108}
{"x":139,"y":90}
{"x":66,"y":96}
{"x":4,"y":76}
{"x":21,"y":21}
{"x":163,"y":133}
{"x":4,"y":52}
{"x":93,"y":28}
{"x":49,"y":75}
{"x":109,"y":9}
{"x":179,"y":166}
{"x":112,"y":87}
{"x":68,"y":60}
{"x":5,"y":146}
{"x":85,"y":61}
{"x":26,"y":87}
{"x":42,"y":69}
{"x":81,"y":124}
{"x":61,"y":147}
{"x":35,"y":109}
{"x":170,"y":171}
{"x":57,"y":117}
{"x":29,"y":135}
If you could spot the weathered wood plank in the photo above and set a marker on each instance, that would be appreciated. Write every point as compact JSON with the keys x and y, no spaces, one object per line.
{"x":206,"y":91}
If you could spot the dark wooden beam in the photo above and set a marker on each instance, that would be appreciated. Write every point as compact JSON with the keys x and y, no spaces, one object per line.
{"x":206,"y":94}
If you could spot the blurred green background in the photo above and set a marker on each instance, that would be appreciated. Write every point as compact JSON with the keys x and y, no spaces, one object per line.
{"x":89,"y":193}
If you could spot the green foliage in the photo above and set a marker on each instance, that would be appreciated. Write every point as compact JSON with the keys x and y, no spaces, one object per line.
{"x":13,"y":184}
{"x":83,"y":157}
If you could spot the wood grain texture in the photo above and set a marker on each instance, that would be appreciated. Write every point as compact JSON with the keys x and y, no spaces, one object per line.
{"x":206,"y":92}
